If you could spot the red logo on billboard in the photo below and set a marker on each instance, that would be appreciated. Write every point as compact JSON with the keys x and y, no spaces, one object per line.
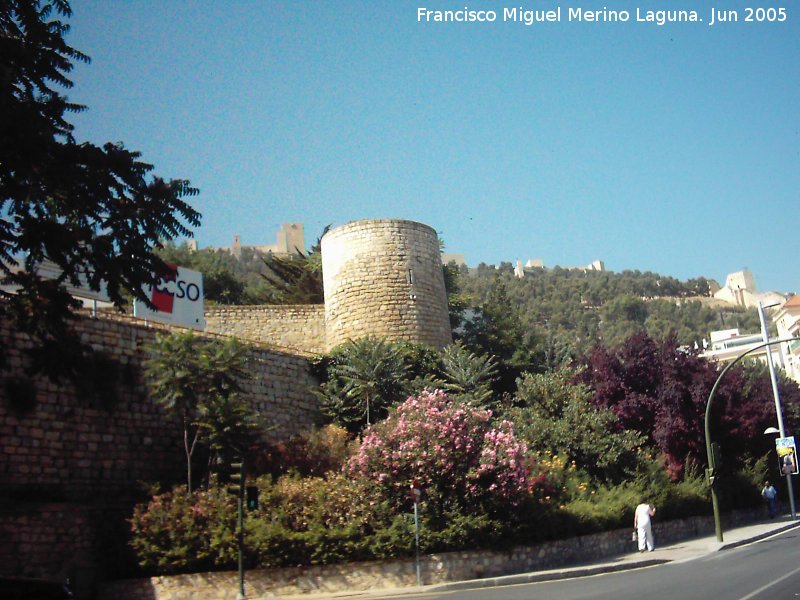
{"x":162,"y":297}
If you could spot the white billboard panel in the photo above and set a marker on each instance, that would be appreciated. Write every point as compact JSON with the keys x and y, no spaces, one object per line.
{"x":178,"y":299}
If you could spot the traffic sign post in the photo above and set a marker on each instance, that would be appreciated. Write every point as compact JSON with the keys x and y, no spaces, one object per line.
{"x":416,"y":496}
{"x":236,"y":487}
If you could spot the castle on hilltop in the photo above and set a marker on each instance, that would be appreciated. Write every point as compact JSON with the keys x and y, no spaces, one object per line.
{"x":290,"y":239}
{"x":740,"y":290}
{"x":381,"y":278}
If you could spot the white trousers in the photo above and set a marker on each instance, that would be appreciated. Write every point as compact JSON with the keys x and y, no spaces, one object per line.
{"x":644,"y":534}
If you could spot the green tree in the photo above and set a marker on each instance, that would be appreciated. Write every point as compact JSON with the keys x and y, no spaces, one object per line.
{"x":294,"y":279}
{"x":201,"y":380}
{"x":497,"y":329}
{"x":456,"y":301}
{"x":622,"y":317}
{"x":365,"y":378}
{"x":468,"y":375}
{"x":221,"y":283}
{"x":556,"y":417}
{"x":96,"y":212}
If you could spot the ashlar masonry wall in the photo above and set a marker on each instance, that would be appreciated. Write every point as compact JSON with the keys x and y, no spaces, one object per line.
{"x":384,"y":278}
{"x":298,"y":327}
{"x":88,"y":451}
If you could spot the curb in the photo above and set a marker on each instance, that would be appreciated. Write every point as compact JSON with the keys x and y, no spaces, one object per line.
{"x":755,"y":538}
{"x":544,"y":576}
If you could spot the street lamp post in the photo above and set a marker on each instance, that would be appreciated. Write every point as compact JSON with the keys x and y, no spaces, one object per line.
{"x":774,"y":379}
{"x":711,"y":473}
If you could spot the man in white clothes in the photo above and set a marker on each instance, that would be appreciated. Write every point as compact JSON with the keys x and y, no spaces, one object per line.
{"x":642,"y":523}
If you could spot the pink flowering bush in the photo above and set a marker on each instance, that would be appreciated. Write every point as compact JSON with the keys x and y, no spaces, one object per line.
{"x":452,"y":450}
{"x":177,"y":531}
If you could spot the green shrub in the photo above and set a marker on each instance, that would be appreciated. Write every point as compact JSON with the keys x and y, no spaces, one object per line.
{"x":605,"y":508}
{"x":180,"y":532}
{"x":314,"y":453}
{"x":315,"y":520}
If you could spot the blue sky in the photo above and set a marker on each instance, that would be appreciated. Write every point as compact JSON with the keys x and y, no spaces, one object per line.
{"x":671,"y":148}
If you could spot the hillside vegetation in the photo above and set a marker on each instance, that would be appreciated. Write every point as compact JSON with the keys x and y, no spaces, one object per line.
{"x":574,"y":309}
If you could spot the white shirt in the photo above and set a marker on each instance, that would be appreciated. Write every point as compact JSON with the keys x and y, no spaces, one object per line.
{"x":642,"y":515}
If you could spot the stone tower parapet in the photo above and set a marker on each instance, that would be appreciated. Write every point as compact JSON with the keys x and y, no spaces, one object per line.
{"x":384,"y":278}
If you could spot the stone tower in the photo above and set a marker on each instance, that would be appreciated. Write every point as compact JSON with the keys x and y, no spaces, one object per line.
{"x":384,"y":278}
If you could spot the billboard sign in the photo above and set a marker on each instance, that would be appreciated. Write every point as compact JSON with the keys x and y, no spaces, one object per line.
{"x":177,"y":297}
{"x":787,"y":455}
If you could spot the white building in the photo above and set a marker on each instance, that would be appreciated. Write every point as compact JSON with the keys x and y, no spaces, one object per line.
{"x":728,"y":344}
{"x":787,"y":320}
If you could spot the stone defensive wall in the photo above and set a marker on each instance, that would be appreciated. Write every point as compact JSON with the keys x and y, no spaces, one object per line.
{"x":298,"y":327}
{"x":384,"y":278}
{"x":83,"y":450}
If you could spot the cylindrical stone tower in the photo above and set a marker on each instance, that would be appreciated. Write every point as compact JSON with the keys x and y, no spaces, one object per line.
{"x":384,"y":278}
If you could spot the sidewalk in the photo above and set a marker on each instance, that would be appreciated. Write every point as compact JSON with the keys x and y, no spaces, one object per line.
{"x":677,"y":552}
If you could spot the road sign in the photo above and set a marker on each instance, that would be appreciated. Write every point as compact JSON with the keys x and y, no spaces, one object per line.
{"x":787,"y":455}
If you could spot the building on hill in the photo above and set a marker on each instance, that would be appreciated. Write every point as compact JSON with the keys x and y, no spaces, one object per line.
{"x":537,"y":263}
{"x":729,"y":344}
{"x":289,"y":239}
{"x":740,"y":290}
{"x":449,"y":257}
{"x":787,"y":321}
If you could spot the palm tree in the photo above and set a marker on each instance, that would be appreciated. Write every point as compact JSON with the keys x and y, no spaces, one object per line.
{"x":365,"y":379}
{"x":467,"y":374}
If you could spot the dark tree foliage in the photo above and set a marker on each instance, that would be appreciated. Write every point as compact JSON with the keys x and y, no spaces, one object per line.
{"x":496,"y":329}
{"x":221,"y":282}
{"x":295,"y":279}
{"x":96,"y":212}
{"x":456,"y":302}
{"x":661,"y":391}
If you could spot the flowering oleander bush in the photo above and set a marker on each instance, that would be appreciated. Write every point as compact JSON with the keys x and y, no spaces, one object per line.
{"x":178,"y":531}
{"x":452,"y":450}
{"x":312,"y":520}
{"x":315,"y":520}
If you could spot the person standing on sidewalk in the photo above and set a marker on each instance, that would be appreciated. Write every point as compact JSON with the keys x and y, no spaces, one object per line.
{"x":642,"y":523}
{"x":770,"y":495}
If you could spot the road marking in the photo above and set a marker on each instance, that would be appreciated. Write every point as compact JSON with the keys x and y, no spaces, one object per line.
{"x":769,"y":585}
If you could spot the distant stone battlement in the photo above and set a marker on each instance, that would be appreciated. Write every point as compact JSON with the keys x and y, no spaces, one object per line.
{"x":538,"y":263}
{"x":740,"y":290}
{"x":290,"y":239}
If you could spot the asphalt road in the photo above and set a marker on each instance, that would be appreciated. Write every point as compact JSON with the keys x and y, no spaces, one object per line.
{"x":765,"y":570}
